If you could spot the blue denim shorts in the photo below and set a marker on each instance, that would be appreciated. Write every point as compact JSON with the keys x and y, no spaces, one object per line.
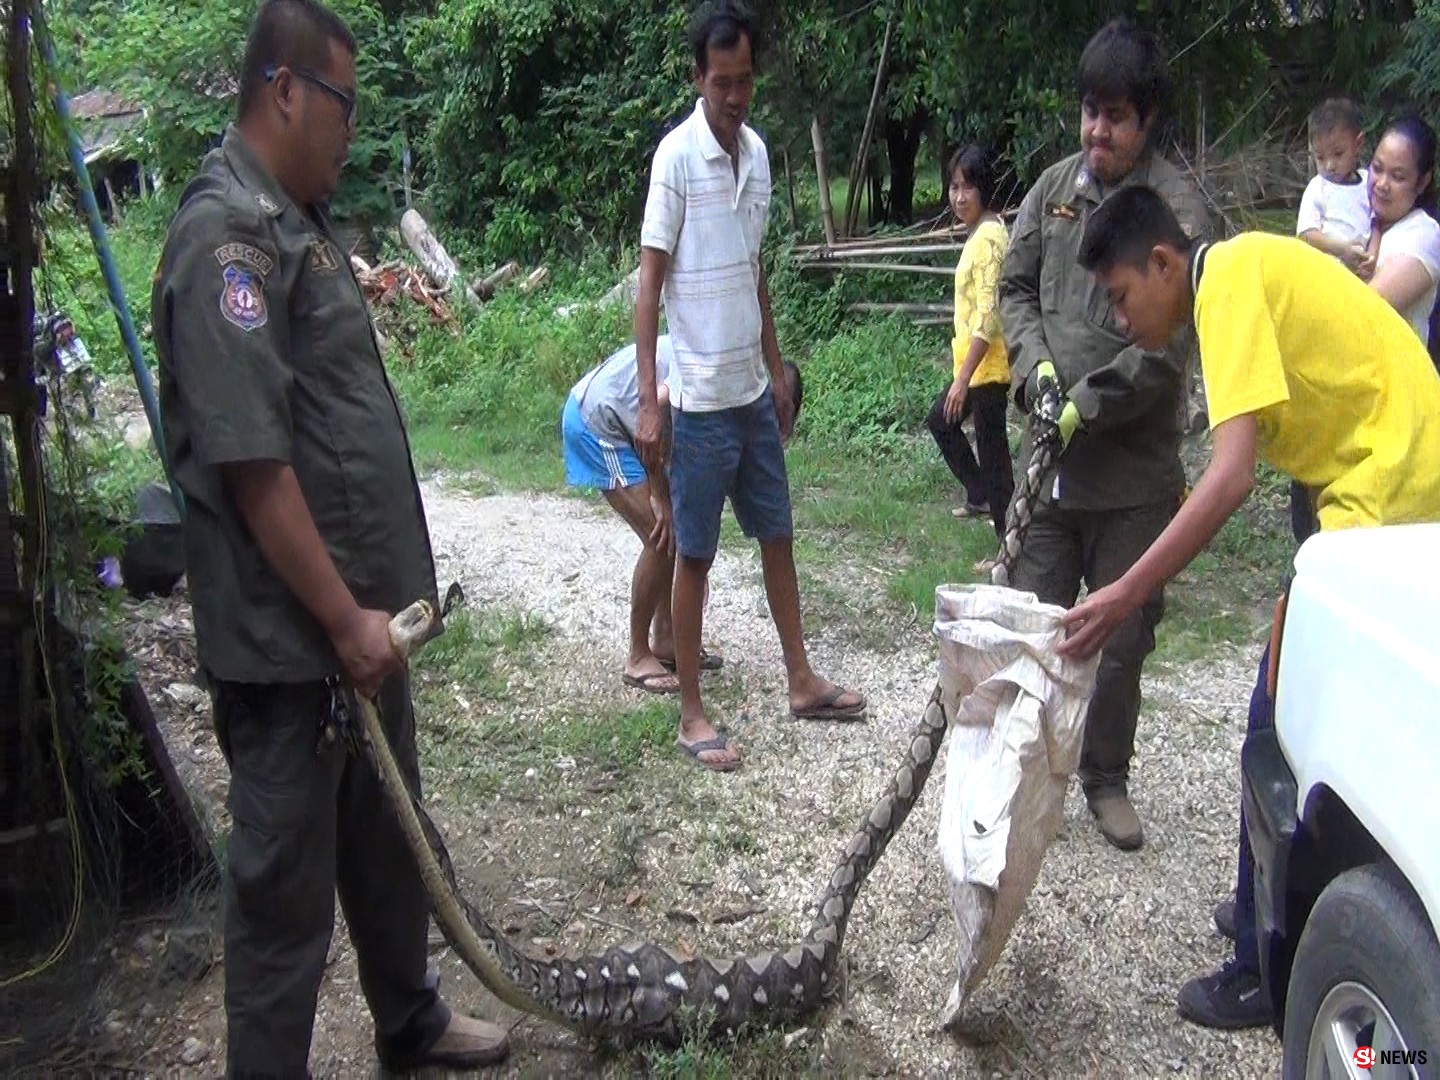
{"x":732,"y":452}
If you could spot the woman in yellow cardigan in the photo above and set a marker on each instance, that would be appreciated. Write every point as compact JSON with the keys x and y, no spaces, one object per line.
{"x":981,"y":381}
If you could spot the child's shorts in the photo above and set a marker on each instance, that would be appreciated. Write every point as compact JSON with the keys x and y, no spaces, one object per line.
{"x":591,"y":461}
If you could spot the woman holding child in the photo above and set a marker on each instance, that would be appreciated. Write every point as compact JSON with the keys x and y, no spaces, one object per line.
{"x":1402,"y":194}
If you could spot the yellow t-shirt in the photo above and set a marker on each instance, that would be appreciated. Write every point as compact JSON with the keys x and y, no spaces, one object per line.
{"x":1346,"y":398}
{"x":977,"y":277}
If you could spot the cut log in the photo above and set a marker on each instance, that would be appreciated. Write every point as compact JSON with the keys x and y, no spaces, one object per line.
{"x":433,"y":257}
{"x":486,"y":287}
{"x":537,"y":279}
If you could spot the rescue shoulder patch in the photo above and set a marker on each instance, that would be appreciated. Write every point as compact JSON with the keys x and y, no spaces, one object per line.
{"x":243,"y":270}
{"x":244,"y":253}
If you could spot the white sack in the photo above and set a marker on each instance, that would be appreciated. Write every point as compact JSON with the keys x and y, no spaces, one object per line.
{"x":1017,"y":716}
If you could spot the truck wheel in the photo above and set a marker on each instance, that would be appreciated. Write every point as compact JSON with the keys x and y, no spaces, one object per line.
{"x":1367,"y":972}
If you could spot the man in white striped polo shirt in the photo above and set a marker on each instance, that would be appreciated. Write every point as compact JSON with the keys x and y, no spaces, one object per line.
{"x":730,"y":403}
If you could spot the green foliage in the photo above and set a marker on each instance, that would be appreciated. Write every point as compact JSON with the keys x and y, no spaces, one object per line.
{"x":532,"y":123}
{"x":870,"y":388}
{"x":181,"y":61}
{"x":73,"y":283}
{"x":1414,"y":71}
{"x":558,"y":106}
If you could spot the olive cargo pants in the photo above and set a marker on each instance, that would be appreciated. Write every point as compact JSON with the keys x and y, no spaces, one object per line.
{"x":1064,"y":547}
{"x":305,"y":824}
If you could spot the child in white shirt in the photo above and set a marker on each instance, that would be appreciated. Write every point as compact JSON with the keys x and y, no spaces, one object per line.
{"x":1335,"y":214}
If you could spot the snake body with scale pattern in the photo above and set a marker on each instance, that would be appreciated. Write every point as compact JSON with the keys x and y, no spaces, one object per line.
{"x":645,"y":991}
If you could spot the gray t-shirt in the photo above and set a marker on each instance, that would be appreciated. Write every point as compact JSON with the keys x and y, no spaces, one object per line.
{"x":609,"y":394}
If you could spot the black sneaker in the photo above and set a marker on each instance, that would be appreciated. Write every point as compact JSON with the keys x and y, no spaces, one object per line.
{"x":1232,"y":998}
{"x":1225,"y":918}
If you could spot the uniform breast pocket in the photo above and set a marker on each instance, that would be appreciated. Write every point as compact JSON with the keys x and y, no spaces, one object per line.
{"x":1100,"y":313}
{"x":1059,"y":246}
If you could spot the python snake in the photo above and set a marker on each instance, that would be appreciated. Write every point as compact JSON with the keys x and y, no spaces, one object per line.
{"x":645,"y":991}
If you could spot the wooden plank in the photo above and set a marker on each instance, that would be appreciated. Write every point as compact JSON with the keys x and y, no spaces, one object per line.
{"x":16,"y":610}
{"x":16,"y":397}
{"x":29,"y":832}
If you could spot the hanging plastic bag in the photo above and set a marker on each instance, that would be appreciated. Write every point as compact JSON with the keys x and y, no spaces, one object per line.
{"x":1017,"y":727}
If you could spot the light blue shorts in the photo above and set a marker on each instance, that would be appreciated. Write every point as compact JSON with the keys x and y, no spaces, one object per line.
{"x":593,"y":462}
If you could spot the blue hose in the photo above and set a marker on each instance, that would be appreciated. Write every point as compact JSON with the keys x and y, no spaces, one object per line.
{"x":107,"y":261}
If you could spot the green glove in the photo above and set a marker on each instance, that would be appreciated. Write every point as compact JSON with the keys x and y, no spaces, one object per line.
{"x":1068,"y":422}
{"x":1035,"y":385}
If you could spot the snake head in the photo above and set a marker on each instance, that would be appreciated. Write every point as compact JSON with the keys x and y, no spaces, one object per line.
{"x":409,"y":627}
{"x":1045,"y":416}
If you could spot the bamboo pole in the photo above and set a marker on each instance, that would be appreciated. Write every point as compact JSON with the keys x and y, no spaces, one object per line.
{"x":822,"y":173}
{"x":857,"y":168}
{"x":904,"y":309}
{"x":790,"y":189}
{"x":100,"y":242}
{"x":869,"y":252}
{"x":957,"y":233}
{"x":899,"y":268}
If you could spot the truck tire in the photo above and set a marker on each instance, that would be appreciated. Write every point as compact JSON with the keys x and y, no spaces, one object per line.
{"x":1367,"y":954}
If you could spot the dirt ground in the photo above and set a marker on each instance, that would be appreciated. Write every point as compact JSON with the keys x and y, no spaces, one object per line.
{"x":574,"y":821}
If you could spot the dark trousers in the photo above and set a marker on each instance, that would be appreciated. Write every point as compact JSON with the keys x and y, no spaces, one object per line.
{"x":1247,"y":938}
{"x":305,"y":824}
{"x":991,"y":479}
{"x":1302,"y":512}
{"x":1064,"y":547}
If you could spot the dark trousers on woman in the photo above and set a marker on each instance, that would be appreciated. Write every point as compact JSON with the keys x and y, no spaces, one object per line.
{"x":990,"y":480}
{"x":1302,"y":512}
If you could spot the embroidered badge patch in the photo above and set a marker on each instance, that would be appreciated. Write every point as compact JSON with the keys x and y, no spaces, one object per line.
{"x":1062,"y":211}
{"x":266,"y":203}
{"x":243,"y":270}
{"x":322,"y":256}
{"x":243,"y":299}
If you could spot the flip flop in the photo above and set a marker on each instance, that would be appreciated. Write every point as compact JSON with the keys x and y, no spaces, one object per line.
{"x":644,"y":682}
{"x":708,"y":662}
{"x":719,"y":742}
{"x":825,"y":708}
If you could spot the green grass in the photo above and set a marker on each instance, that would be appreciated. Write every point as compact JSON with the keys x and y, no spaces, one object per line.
{"x":470,"y":649}
{"x":617,"y":737}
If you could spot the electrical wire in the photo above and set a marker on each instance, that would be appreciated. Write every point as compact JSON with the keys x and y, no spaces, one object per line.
{"x":45,"y":650}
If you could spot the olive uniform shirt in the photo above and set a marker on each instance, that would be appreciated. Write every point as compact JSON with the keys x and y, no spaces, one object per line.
{"x":267,"y":352}
{"x":1130,"y":400}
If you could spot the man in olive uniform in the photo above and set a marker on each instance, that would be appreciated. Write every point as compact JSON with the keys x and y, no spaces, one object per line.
{"x":304,"y":534}
{"x":1119,"y":479}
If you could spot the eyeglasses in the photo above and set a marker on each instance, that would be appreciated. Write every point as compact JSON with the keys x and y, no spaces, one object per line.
{"x":347,"y":100}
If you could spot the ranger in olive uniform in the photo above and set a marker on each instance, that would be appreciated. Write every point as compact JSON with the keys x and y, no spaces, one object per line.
{"x":304,"y":533}
{"x":1119,"y":480}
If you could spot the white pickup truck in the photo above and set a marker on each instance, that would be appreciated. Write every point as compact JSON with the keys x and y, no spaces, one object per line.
{"x":1342,"y":801}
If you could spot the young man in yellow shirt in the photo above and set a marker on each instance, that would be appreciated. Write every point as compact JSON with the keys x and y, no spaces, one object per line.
{"x":1305,"y":368}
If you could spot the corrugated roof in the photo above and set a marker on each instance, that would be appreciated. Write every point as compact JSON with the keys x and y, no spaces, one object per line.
{"x":98,"y":103}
